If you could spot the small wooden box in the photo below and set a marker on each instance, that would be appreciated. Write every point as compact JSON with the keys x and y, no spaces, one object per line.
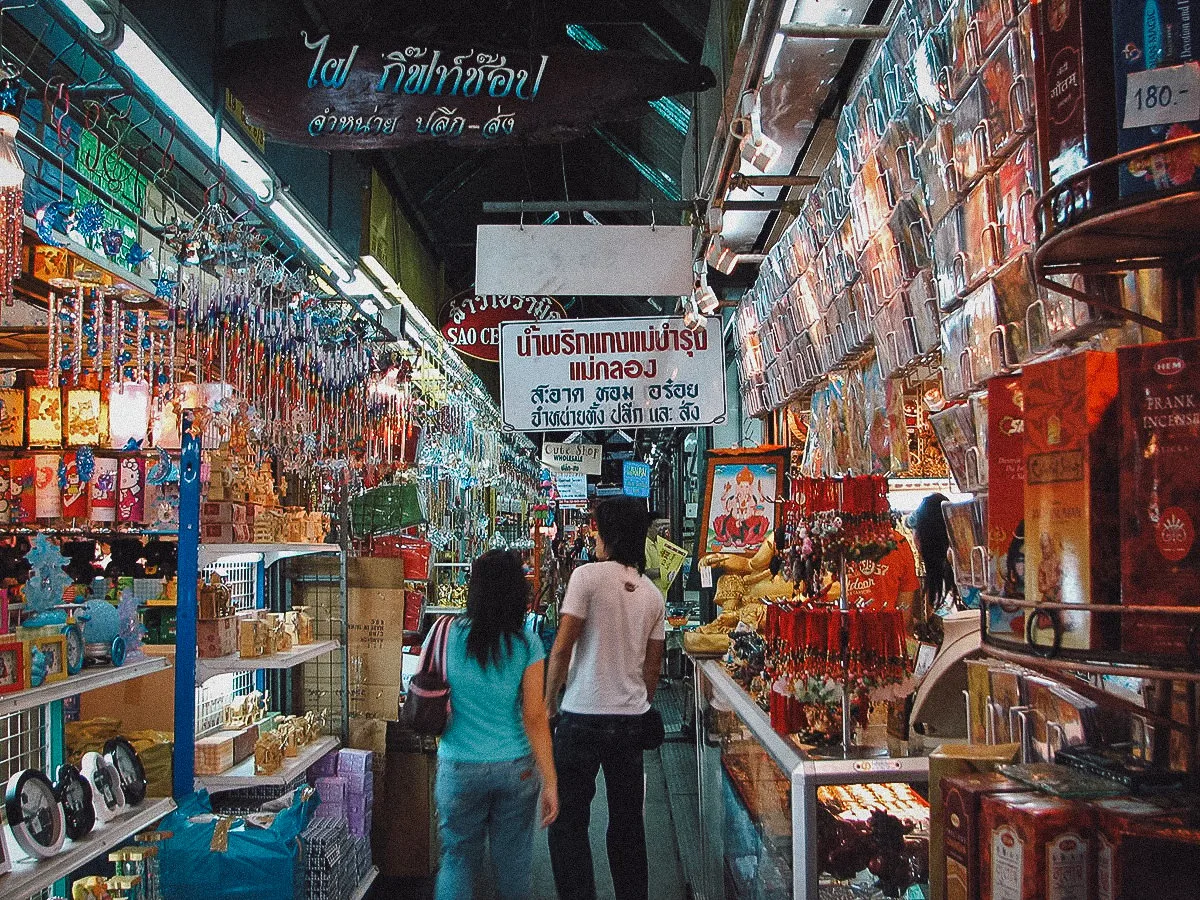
{"x":216,"y":637}
{"x":215,"y":753}
{"x":253,"y":638}
{"x":243,"y":742}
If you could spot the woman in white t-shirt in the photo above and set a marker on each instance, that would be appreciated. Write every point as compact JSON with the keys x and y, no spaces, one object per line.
{"x":607,"y":653}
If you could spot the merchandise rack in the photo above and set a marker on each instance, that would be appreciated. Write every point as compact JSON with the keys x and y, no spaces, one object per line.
{"x":28,"y":877}
{"x":242,"y":775}
{"x":206,"y":668}
{"x":87,"y":680}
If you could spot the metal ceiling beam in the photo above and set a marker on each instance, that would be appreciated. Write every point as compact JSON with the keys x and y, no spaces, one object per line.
{"x":835,"y":32}
{"x":578,"y":206}
{"x":457,"y":178}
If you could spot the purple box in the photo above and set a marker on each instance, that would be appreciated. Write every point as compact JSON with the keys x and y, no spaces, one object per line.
{"x":361,"y":829}
{"x":324,"y":767}
{"x":354,"y":762}
{"x":359,"y":784}
{"x":331,"y":790}
{"x":330,"y":811}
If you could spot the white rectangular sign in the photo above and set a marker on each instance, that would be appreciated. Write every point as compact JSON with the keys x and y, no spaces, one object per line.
{"x":585,"y":458}
{"x":593,"y":260}
{"x":611,"y":373}
{"x":1163,"y":96}
{"x":571,"y":485}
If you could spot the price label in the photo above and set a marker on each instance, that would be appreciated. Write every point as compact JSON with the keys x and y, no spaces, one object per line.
{"x":1163,"y":96}
{"x":706,"y":579}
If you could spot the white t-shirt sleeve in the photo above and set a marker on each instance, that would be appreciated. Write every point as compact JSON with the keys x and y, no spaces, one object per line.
{"x":658,"y":626}
{"x":575,"y":602}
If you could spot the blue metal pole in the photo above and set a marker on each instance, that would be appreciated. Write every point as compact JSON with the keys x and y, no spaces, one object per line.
{"x":184,"y":754}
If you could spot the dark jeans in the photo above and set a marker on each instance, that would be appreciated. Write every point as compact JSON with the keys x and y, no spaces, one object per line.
{"x":582,"y":746}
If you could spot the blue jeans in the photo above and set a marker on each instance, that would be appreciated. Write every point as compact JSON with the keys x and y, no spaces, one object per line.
{"x":583,"y":745}
{"x":498,"y":801}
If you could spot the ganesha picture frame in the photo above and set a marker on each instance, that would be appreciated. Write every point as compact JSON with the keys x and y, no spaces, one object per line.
{"x":743,"y":489}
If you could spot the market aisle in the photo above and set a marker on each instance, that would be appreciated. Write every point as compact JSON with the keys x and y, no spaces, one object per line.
{"x":666,"y":877}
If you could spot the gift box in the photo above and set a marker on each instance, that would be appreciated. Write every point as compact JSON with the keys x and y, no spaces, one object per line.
{"x":83,"y":418}
{"x":47,"y":495}
{"x":22,"y":473}
{"x":1160,"y":492}
{"x":214,"y":754}
{"x":162,"y":505}
{"x":102,"y":501}
{"x":1072,"y":547}
{"x":331,"y":789}
{"x":44,"y":407}
{"x":254,"y":638}
{"x":128,"y":415}
{"x":216,"y":637}
{"x":295,"y":526}
{"x":358,"y":814}
{"x":1034,"y":845}
{"x":961,"y":798}
{"x":243,"y":742}
{"x":12,"y":417}
{"x":74,"y":491}
{"x":355,"y":762}
{"x":324,"y":767}
{"x":222,"y":513}
{"x":131,"y":495}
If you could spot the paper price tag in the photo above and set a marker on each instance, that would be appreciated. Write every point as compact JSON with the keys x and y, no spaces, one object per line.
{"x":1163,"y":96}
{"x":706,"y":579}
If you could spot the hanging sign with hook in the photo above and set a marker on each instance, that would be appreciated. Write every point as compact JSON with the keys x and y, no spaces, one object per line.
{"x":584,"y":260}
{"x":367,"y":91}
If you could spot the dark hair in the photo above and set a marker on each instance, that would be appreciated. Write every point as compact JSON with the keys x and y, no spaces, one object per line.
{"x":929,"y":528}
{"x":622,"y":523}
{"x":497,"y":600}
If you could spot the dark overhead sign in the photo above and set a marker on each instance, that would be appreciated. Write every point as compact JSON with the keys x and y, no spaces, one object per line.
{"x":368,"y":91}
{"x":471,"y":324}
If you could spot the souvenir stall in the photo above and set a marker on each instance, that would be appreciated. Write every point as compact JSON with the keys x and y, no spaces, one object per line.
{"x":992,"y":255}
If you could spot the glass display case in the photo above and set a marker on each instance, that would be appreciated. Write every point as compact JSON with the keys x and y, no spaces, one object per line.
{"x":772,"y":814}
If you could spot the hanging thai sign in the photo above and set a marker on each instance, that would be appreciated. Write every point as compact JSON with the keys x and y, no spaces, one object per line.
{"x":471,"y":324}
{"x":368,"y":91}
{"x":571,"y":486}
{"x":611,"y":373}
{"x":585,"y":458}
{"x":636,"y":479}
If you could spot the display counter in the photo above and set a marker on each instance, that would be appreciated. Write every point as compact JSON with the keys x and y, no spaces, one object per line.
{"x":758,"y":798}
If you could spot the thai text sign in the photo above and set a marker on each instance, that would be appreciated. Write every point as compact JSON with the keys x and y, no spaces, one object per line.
{"x":585,"y":458}
{"x":471,"y":324}
{"x":611,"y":373}
{"x":382,"y":89}
{"x":636,"y":478}
{"x":571,"y":486}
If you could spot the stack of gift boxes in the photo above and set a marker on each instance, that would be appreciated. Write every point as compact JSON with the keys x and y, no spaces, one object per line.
{"x":232,"y":522}
{"x":345,"y":782}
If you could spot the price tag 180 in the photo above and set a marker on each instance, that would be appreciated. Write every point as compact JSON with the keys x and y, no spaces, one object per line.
{"x":1163,"y":96}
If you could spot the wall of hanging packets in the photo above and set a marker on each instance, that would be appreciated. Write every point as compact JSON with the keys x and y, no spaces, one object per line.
{"x":917,"y":239}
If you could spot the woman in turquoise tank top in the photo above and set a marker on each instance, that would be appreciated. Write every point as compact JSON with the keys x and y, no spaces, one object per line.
{"x":495,"y":756}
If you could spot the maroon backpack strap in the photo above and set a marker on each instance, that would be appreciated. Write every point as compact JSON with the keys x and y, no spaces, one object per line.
{"x":433,"y":654}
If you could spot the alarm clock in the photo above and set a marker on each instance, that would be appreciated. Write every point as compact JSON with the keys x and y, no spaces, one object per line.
{"x":75,"y":795}
{"x":108,"y":797}
{"x":129,"y":766}
{"x":75,"y":651}
{"x":36,"y":819}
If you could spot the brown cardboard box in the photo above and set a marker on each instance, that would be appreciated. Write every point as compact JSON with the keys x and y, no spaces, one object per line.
{"x":406,"y":846}
{"x":1072,"y":546}
{"x":216,"y":637}
{"x":1116,"y":818}
{"x":959,"y":818}
{"x":948,"y":761}
{"x":375,"y":632}
{"x":214,"y":754}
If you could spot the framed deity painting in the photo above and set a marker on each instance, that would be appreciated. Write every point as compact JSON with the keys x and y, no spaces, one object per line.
{"x":743,"y":491}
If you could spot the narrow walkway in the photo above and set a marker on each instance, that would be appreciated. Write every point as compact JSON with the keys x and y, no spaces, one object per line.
{"x":670,"y":811}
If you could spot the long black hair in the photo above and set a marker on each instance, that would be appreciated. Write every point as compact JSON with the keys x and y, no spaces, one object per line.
{"x":497,"y":600}
{"x":622,"y":523}
{"x":929,"y":528}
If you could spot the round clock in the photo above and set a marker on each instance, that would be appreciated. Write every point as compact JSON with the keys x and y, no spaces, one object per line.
{"x":74,"y":635}
{"x":33,"y":813}
{"x":75,"y":795}
{"x":129,"y":766}
{"x":107,"y":796}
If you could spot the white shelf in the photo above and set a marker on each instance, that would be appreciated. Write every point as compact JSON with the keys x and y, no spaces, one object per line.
{"x":30,"y":876}
{"x":365,"y":884}
{"x":270,"y":553}
{"x":87,"y":680}
{"x":207,"y":668}
{"x":242,"y":775}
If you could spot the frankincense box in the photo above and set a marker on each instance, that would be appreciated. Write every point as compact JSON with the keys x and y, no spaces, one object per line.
{"x":1160,"y":492}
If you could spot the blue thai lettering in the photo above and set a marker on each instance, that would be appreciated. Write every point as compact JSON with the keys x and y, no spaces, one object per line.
{"x":523,"y":77}
{"x":332,"y":72}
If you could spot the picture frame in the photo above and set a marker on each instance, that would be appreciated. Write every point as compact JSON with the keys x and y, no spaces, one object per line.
{"x":743,"y":491}
{"x":55,"y":649}
{"x":14,"y":669}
